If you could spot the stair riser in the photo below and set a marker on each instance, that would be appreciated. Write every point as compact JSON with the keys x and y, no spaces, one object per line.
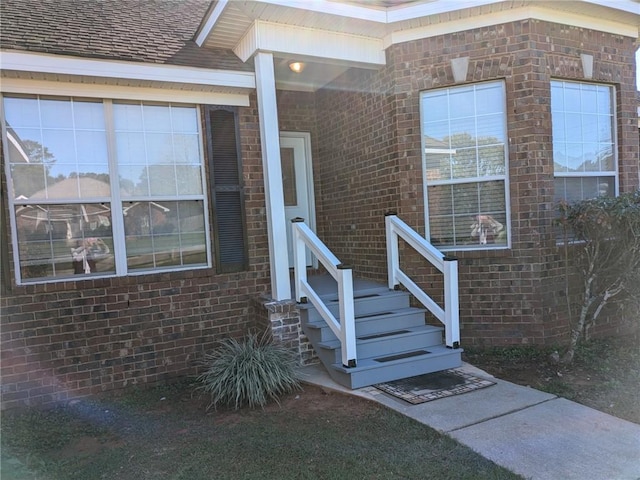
{"x":372,"y":325}
{"x":327,"y":357}
{"x":365,"y":306}
{"x":388,"y":373}
{"x":315,"y":335}
{"x":389,"y":345}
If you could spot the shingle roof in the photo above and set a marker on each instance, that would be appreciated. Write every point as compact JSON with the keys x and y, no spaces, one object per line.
{"x":150,"y":31}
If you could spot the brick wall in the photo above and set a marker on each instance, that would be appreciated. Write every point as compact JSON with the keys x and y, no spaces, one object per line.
{"x":71,"y":339}
{"x":358,"y":167}
{"x":370,"y":161}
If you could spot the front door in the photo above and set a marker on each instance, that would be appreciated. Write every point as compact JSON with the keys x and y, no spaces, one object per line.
{"x":297,"y":181}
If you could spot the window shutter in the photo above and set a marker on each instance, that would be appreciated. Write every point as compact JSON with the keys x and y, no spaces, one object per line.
{"x":225,"y":167}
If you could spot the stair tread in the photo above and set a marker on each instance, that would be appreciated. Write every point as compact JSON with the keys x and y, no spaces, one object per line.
{"x":382,"y":291}
{"x":404,"y":332}
{"x":371,"y":362}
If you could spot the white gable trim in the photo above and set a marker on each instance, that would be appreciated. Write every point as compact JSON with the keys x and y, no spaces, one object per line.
{"x":309,"y":42}
{"x":491,"y":19}
{"x":119,"y":92}
{"x":210,"y":22}
{"x":42,"y":63}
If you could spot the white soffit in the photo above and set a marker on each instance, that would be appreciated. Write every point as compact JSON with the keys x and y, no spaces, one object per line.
{"x":309,"y":42}
{"x":212,"y":18}
{"x":57,"y":64}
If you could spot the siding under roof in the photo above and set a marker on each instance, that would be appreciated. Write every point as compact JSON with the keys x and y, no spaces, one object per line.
{"x":149,"y":31}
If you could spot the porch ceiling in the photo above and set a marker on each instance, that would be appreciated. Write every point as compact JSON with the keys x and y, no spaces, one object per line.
{"x":388,"y":20}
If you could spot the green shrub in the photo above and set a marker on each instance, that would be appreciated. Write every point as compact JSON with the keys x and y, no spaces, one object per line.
{"x":248,"y":372}
{"x":606,"y":255}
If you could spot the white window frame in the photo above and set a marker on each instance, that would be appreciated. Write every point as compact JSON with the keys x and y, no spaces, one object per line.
{"x":468,"y":180}
{"x":116,"y":202}
{"x":615,"y":172}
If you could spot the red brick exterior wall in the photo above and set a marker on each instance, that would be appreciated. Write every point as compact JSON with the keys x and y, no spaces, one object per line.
{"x":66,"y":340}
{"x":370,"y":161}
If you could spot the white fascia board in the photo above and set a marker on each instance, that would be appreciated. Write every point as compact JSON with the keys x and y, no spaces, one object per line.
{"x":496,"y":18}
{"x":120,"y":92}
{"x":58,"y":64}
{"x":210,"y":22}
{"x":334,"y":8}
{"x":310,"y":42}
{"x":629,"y":6}
{"x":411,"y":12}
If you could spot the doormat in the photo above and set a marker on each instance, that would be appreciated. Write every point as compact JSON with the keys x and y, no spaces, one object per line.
{"x":432,"y":386}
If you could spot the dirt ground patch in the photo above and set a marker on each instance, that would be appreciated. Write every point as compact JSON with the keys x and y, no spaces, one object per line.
{"x":605,"y":374}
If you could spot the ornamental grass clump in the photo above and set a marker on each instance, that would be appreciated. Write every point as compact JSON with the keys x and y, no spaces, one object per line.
{"x":251,"y":371}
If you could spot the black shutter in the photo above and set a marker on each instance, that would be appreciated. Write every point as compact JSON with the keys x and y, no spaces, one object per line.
{"x":227,"y":192}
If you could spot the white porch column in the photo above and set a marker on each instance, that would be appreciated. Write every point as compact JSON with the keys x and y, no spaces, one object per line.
{"x":272,"y":168}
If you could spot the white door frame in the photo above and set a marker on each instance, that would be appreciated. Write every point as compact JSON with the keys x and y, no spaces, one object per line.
{"x":311,"y":203}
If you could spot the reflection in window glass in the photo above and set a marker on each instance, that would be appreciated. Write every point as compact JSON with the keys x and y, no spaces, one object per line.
{"x":151,"y":141}
{"x":163,"y":234}
{"x":64,"y":240}
{"x":464,"y":141}
{"x":582,"y":116}
{"x":52,"y":159}
{"x":59,"y":171}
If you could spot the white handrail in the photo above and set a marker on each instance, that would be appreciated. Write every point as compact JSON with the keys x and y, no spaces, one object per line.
{"x":344,"y":327}
{"x":450,"y":314}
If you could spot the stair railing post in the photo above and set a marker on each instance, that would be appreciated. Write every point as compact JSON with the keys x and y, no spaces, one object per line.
{"x":451,"y":304}
{"x":299,"y":258}
{"x":393,"y":257}
{"x":347,"y":316}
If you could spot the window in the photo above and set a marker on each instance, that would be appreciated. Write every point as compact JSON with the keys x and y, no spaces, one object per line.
{"x":584,"y":146}
{"x":465,"y":166}
{"x":99,"y":187}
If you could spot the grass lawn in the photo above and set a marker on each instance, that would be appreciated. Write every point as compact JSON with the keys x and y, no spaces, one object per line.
{"x":166,"y":433}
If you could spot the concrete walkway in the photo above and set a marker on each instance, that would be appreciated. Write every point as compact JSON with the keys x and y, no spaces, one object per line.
{"x":535,"y":434}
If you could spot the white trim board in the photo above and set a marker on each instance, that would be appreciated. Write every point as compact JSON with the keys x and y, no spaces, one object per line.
{"x":119,"y":92}
{"x":212,"y":17}
{"x":59,"y":64}
{"x":310,"y":42}
{"x":518,"y":14}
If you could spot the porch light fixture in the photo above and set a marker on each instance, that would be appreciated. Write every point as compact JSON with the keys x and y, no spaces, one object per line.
{"x":296,"y":67}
